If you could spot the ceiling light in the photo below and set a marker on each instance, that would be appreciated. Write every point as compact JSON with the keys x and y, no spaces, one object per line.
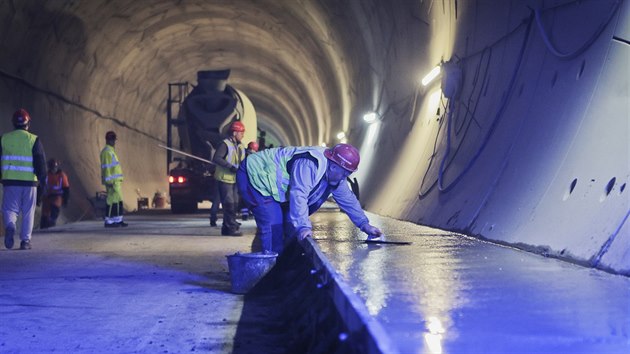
{"x":431,"y":76}
{"x":370,"y":117}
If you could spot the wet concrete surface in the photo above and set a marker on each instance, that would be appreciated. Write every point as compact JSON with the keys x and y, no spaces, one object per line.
{"x":447,"y":293}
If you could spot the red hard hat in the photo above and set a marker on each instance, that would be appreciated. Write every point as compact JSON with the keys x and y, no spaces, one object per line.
{"x":237,"y":127}
{"x":110,"y":135}
{"x":21,"y":118}
{"x":252,"y":146}
{"x":345,"y":155}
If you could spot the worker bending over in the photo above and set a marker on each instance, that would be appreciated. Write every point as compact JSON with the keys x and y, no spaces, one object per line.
{"x":283,"y":186}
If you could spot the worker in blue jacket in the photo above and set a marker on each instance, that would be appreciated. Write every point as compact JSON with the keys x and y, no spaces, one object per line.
{"x":283,"y":186}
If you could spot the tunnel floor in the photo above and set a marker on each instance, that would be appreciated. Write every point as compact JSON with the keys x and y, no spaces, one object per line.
{"x":162,"y":285}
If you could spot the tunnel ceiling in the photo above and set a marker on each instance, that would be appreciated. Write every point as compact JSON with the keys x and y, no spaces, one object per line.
{"x":298,"y":61}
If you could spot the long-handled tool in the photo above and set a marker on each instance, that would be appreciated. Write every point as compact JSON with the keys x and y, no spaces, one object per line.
{"x":186,"y":154}
{"x":383,"y":242}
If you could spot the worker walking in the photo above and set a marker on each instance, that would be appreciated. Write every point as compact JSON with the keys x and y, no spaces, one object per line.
{"x":56,"y":194}
{"x":228,"y":157}
{"x":112,"y":178}
{"x":283,"y":186}
{"x":23,"y":166}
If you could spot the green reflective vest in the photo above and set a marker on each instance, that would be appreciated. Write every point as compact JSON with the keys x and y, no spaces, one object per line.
{"x":17,"y":156}
{"x":111,"y":171}
{"x":235,"y":154}
{"x":267,"y":169}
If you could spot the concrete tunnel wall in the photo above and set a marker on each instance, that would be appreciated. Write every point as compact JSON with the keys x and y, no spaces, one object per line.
{"x":525,"y":164}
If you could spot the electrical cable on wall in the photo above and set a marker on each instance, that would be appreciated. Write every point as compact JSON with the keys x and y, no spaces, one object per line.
{"x":453,"y":111}
{"x":566,"y":56}
{"x":424,"y":192}
{"x":449,"y":118}
{"x":503,"y":104}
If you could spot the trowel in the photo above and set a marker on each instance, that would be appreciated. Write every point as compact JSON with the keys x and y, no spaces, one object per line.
{"x":379,"y":241}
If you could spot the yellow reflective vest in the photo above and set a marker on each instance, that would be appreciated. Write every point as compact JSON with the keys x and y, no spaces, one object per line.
{"x":235,"y":154}
{"x":267,"y":170}
{"x":17,"y":156}
{"x":111,"y":171}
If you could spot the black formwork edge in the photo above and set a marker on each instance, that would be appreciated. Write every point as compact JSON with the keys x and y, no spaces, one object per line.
{"x":351,"y":308}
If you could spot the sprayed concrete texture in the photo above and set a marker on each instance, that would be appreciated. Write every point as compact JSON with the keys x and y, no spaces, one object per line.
{"x":447,"y":293}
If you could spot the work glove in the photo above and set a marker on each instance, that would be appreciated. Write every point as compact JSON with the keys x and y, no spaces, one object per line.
{"x":304,"y":233}
{"x":371,"y":231}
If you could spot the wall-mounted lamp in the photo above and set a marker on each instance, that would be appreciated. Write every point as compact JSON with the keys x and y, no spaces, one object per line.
{"x":341,"y":135}
{"x":435,"y":72}
{"x":370,"y":117}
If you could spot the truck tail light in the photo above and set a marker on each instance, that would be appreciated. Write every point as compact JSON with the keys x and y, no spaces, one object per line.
{"x":176,"y":179}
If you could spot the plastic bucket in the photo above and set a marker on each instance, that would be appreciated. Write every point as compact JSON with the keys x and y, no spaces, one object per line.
{"x":246,"y":269}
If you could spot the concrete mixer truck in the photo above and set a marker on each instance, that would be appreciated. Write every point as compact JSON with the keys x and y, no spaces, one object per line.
{"x":197,"y":122}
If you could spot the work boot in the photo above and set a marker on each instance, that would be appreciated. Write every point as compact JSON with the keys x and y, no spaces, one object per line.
{"x":25,"y":245}
{"x":122,"y":224}
{"x":8,"y":237}
{"x":226,"y":232}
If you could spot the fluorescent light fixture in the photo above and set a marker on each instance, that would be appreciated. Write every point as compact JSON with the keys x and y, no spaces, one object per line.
{"x":431,"y":76}
{"x":370,"y":117}
{"x":341,"y":135}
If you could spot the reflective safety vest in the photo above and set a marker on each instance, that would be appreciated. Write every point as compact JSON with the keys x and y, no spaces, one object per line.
{"x":17,"y":156}
{"x":235,"y":154}
{"x":56,"y":182}
{"x":267,"y":169}
{"x":111,"y":171}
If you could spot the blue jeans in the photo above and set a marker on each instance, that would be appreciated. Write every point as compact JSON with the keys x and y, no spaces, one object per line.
{"x":272,"y":218}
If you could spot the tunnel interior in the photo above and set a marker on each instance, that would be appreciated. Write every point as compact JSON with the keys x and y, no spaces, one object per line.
{"x":507,"y":149}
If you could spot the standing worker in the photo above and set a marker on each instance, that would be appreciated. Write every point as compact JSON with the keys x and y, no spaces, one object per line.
{"x":252,"y":148}
{"x":214,"y":208}
{"x":283,"y":186}
{"x":228,"y":157}
{"x":56,"y":194}
{"x":112,"y":178}
{"x":23,"y":166}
